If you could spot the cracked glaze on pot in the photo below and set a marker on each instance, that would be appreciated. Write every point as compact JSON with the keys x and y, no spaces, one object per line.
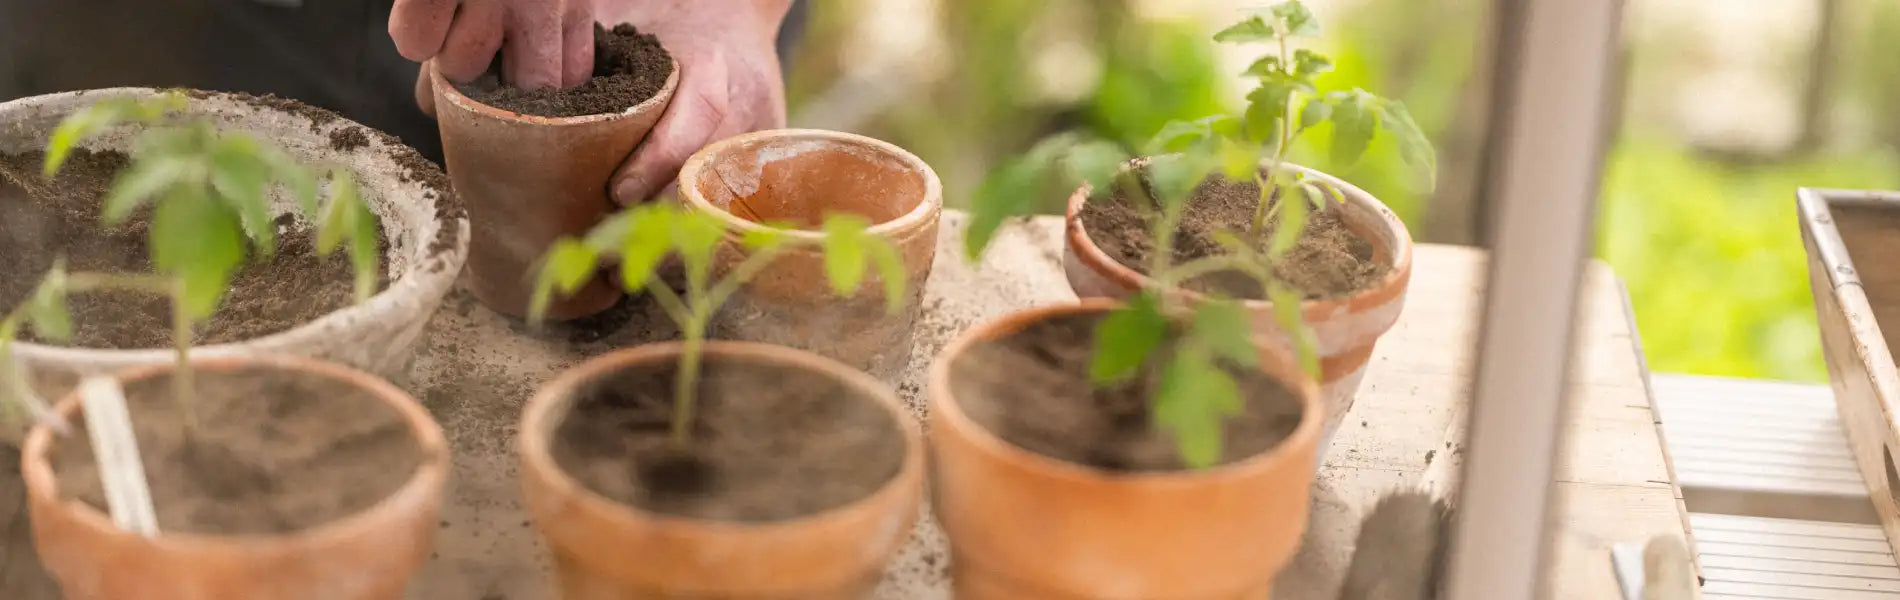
{"x":1024,"y":525}
{"x":369,"y":555}
{"x":529,"y":180}
{"x":604,"y":550}
{"x":426,"y":233}
{"x":1346,"y":327}
{"x":799,"y":176}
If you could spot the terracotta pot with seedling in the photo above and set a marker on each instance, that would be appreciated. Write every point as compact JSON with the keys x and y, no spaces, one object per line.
{"x":790,"y":180}
{"x":714,"y":469}
{"x":286,"y":296}
{"x":1342,"y":260}
{"x":534,"y":165}
{"x":228,"y":477}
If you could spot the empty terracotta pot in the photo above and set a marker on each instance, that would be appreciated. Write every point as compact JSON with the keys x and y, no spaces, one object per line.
{"x":529,"y":180}
{"x":799,"y":176}
{"x":369,"y":555}
{"x":1025,"y":525}
{"x":1346,"y":328}
{"x":606,"y":550}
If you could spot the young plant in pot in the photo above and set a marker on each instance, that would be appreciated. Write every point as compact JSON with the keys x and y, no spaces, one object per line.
{"x":713,"y":468}
{"x":1342,"y":258}
{"x":266,"y":476}
{"x":1156,"y":448}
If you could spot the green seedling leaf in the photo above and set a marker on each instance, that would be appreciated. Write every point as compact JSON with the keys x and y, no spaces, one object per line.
{"x":844,"y":252}
{"x":1354,"y":123}
{"x":1316,"y":111}
{"x":143,"y":180}
{"x":1010,"y":191}
{"x":1414,"y":148}
{"x":101,"y":115}
{"x":301,"y":182}
{"x":1226,"y":328}
{"x":339,"y":221}
{"x":1193,"y":399}
{"x":1286,"y":311}
{"x":1239,"y":161}
{"x":611,"y":232}
{"x":568,"y":264}
{"x":1286,"y":233}
{"x":363,"y":250}
{"x":695,"y":236}
{"x":193,"y":239}
{"x":1295,"y":19}
{"x":1267,"y":108}
{"x":1174,"y":177}
{"x":241,"y":178}
{"x":46,"y":309}
{"x":762,"y":238}
{"x":1265,"y":66}
{"x":647,"y":241}
{"x":1307,"y":63}
{"x":1251,"y":29}
{"x":1125,"y":338}
{"x":1095,"y":163}
{"x":1332,"y":191}
{"x":890,"y":269}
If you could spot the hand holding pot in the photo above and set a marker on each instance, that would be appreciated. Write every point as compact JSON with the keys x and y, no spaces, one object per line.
{"x":543,"y":43}
{"x":730,"y":82}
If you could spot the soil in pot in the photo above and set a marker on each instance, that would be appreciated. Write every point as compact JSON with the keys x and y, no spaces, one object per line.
{"x":1328,"y":262}
{"x":1032,"y":389}
{"x":629,"y":68}
{"x":769,"y":443}
{"x":41,"y":221}
{"x":274,"y":451}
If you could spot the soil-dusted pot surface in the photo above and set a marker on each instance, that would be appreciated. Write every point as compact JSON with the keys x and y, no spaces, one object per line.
{"x":798,"y":177}
{"x":1353,"y":264}
{"x":423,"y":230}
{"x":1049,"y":488}
{"x":297,"y":471}
{"x":801,"y":479}
{"x":528,"y":179}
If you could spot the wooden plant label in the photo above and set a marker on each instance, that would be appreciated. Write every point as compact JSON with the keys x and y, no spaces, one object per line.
{"x":114,"y":446}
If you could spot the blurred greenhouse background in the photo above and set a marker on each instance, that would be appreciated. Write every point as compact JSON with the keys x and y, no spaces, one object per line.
{"x":1727,"y":108}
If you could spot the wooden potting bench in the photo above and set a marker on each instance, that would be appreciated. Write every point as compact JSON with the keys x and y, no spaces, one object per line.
{"x":1614,"y":481}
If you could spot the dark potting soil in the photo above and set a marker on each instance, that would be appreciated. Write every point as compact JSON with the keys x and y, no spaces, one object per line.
{"x":1032,"y":389}
{"x":1328,"y":262}
{"x":769,"y":443}
{"x":629,"y":68}
{"x":273,"y":452}
{"x":45,"y":220}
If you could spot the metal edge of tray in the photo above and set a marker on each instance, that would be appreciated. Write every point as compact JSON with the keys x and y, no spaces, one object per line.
{"x":1860,"y":366}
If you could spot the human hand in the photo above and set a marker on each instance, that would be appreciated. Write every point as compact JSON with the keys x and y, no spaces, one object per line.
{"x":729,"y":83}
{"x":543,"y":43}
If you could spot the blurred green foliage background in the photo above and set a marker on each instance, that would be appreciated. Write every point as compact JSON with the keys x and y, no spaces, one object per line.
{"x":1727,"y":108}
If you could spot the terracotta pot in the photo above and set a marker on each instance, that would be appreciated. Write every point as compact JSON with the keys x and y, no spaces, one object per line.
{"x":1346,"y":328}
{"x":426,"y":234}
{"x":800,"y":176}
{"x":367,"y":555}
{"x":607,"y":550}
{"x":1024,"y":525}
{"x":529,"y":180}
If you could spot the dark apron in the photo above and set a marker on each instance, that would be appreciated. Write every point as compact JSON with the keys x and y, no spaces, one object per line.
{"x":331,"y":53}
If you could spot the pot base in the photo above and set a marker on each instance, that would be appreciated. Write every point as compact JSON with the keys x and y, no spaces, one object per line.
{"x":576,"y":582}
{"x":973,"y":584}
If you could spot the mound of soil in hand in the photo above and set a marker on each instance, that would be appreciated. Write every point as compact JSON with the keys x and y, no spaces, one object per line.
{"x":273,"y":452}
{"x":1328,"y":262}
{"x":770,"y":443}
{"x":42,"y":220}
{"x":629,"y":68}
{"x":1032,"y":389}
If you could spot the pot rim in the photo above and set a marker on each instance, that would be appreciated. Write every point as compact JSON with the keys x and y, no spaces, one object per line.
{"x":1387,"y":288}
{"x":555,"y":398}
{"x":456,"y":97}
{"x":418,"y":280}
{"x":431,"y":471}
{"x":1276,"y":363}
{"x":916,"y":217}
